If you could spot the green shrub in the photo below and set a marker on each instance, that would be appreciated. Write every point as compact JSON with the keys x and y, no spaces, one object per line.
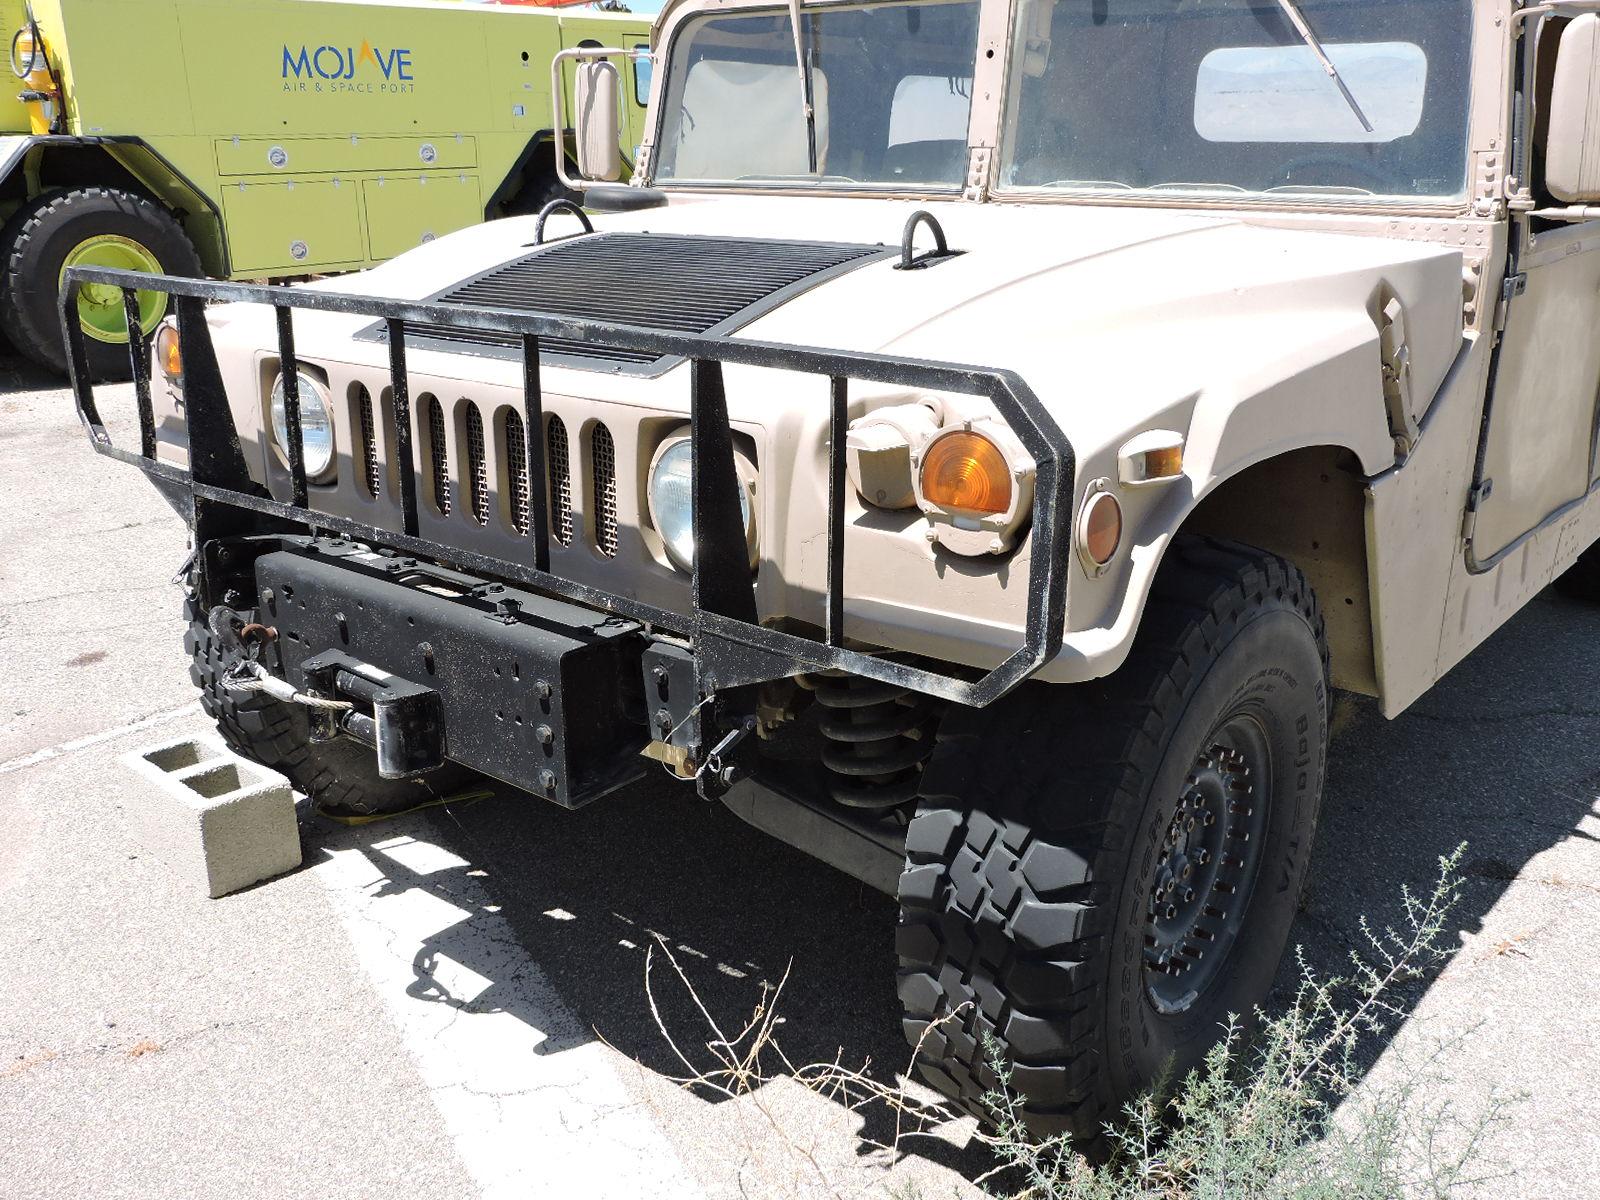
{"x":1273,"y":1114}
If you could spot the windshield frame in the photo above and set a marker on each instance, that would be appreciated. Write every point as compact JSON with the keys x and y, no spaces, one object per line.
{"x":826,"y":186}
{"x":1488,"y":132}
{"x":1225,"y":198}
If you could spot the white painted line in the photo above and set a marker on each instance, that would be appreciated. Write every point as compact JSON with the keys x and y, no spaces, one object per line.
{"x":532,"y":1099}
{"x":94,"y":739}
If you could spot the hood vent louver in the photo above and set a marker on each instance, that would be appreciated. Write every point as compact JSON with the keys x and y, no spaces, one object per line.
{"x":676,"y":283}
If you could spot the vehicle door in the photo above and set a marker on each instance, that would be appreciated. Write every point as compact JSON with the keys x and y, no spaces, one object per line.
{"x":1540,"y":455}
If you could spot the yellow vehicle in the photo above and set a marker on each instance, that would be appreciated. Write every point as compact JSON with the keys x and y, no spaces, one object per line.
{"x":266,"y":139}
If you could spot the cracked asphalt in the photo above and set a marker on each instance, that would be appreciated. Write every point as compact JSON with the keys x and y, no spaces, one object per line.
{"x":455,"y":1004}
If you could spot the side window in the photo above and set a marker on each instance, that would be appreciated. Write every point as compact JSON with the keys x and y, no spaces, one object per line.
{"x":927,"y":140}
{"x":1281,"y":94}
{"x":643,"y":71}
{"x":930,"y":108}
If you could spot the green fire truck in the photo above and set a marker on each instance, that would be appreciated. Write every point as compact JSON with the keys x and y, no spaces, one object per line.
{"x":267,"y":139}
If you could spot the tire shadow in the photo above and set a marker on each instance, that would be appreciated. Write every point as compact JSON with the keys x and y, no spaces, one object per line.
{"x":1503,"y":754}
{"x":19,"y":374}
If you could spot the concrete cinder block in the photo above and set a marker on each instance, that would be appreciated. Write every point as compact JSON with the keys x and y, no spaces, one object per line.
{"x":220,"y":821}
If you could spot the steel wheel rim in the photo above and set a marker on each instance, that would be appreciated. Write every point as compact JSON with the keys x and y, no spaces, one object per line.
{"x":100,"y":310}
{"x":1206,"y":875}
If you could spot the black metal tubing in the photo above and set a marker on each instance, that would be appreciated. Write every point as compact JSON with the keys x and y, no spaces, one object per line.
{"x":736,"y":649}
{"x":941,"y":248}
{"x":560,"y":204}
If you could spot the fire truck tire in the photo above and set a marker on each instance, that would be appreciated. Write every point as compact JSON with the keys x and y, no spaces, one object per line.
{"x":93,"y":226}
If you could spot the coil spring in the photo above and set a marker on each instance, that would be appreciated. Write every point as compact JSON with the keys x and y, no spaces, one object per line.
{"x":877,"y":737}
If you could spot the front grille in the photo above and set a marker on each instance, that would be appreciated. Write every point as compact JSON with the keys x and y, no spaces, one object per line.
{"x":373,"y":474}
{"x":603,"y":464}
{"x":477,"y":466}
{"x":680,"y":284}
{"x":517,"y":472}
{"x":438,"y":463}
{"x":558,"y":454}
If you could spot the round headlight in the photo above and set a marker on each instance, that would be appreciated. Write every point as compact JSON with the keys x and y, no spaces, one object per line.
{"x":672,"y":502}
{"x":316,"y":424}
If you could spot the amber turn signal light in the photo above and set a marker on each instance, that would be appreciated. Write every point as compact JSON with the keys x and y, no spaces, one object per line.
{"x":965,"y":472}
{"x":169,"y":354}
{"x":1100,"y":528}
{"x":1152,"y":457}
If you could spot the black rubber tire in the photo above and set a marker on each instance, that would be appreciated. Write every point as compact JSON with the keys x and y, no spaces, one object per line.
{"x":1581,"y":581}
{"x":1031,"y":857}
{"x":35,"y":243}
{"x":341,"y":775}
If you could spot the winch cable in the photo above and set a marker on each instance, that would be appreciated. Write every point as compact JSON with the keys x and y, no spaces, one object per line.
{"x":247,"y":676}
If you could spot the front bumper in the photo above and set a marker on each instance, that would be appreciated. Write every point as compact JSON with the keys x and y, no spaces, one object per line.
{"x":541,"y":694}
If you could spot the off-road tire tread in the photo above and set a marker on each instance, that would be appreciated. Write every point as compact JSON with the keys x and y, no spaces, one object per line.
{"x":34,"y":221}
{"x":1006,"y":894}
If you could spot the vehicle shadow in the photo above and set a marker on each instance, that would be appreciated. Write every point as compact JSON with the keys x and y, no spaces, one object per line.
{"x":1504,"y":755}
{"x":19,"y":374}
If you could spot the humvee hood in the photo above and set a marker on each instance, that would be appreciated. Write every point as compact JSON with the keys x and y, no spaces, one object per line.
{"x":1111,"y":314}
{"x":1095,"y":304}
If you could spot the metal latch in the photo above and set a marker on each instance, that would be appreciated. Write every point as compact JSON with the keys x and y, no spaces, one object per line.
{"x":1513,"y":287}
{"x":1396,"y":354}
{"x":1476,"y":495}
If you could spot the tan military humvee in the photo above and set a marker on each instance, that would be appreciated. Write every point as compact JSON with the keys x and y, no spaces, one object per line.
{"x":972,"y":449}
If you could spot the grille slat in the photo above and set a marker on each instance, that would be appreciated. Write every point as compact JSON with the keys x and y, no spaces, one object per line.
{"x":373,"y":473}
{"x":603,"y":464}
{"x":437,"y":460}
{"x":517,"y":472}
{"x":560,"y":465}
{"x":477,"y":466}
{"x":677,"y":284}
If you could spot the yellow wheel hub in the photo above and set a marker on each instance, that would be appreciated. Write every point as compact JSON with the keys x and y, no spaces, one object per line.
{"x":100,"y":307}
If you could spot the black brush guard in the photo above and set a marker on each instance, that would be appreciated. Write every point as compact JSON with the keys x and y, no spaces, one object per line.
{"x":731,"y":650}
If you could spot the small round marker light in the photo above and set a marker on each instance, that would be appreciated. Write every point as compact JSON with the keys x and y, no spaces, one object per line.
{"x":169,"y":354}
{"x":1100,"y":528}
{"x":966,"y":472}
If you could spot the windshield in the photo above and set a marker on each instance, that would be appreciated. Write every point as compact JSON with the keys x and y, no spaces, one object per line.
{"x":1357,"y":97}
{"x":890,"y":88}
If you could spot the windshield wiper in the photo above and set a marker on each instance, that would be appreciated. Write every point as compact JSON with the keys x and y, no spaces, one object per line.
{"x":1195,"y":187}
{"x":1292,"y":11}
{"x":809,"y":177}
{"x":1324,"y":189}
{"x":807,"y":108}
{"x":1104,"y":184}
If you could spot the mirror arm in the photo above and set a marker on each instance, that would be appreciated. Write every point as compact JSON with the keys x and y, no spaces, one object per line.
{"x":1571,"y":214}
{"x":558,"y":102}
{"x":1551,"y":8}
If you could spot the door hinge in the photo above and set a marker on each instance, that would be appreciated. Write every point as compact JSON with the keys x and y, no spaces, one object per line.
{"x":1513,"y":287}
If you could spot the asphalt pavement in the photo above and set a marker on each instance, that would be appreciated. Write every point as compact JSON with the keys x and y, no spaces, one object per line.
{"x":454,"y":1004}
